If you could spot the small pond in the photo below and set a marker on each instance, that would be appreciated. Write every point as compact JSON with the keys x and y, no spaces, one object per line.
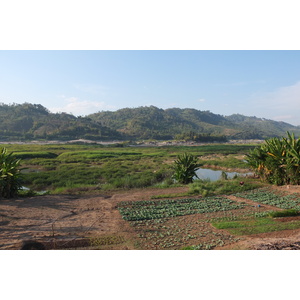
{"x":39,"y":193}
{"x":214,"y":175}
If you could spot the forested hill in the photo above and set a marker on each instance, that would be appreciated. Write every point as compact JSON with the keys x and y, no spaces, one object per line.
{"x":261,"y":127}
{"x":35,"y":122}
{"x":152,"y":122}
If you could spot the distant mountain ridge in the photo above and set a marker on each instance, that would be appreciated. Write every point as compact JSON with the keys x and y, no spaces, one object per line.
{"x":156,"y":123}
{"x":35,"y":122}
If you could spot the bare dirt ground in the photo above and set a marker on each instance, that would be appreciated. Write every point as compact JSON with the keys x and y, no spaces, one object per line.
{"x":65,"y":222}
{"x":62,"y":221}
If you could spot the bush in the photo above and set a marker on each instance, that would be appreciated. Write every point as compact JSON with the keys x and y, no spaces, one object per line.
{"x":10,"y":177}
{"x":277,"y":161}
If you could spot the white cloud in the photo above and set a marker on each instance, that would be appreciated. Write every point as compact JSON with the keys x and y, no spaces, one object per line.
{"x":201,"y":100}
{"x":81,"y":107}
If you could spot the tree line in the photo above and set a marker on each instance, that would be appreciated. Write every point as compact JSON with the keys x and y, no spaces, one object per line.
{"x":35,"y":122}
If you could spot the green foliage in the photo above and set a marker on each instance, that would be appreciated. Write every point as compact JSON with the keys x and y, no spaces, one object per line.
{"x":277,"y":161}
{"x":69,"y":167}
{"x":243,"y":223}
{"x":255,"y":226}
{"x":264,"y":196}
{"x":257,"y":128}
{"x":185,"y":167}
{"x":10,"y":177}
{"x":149,"y":210}
{"x":226,"y":161}
{"x":33,"y":121}
{"x":224,"y":175}
{"x":188,"y":124}
{"x":219,"y":187}
{"x":115,"y":169}
{"x":31,"y":155}
{"x":200,"y":138}
{"x":284,"y":213}
{"x":168,"y":196}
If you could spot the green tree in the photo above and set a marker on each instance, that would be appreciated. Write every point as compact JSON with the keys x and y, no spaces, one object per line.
{"x":185,"y":167}
{"x":10,"y":176}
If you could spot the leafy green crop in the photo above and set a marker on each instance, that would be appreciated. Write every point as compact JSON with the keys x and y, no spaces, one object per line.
{"x":148,"y":210}
{"x":264,"y":196}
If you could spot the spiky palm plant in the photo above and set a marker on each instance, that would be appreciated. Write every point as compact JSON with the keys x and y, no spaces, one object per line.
{"x":293,"y":161}
{"x":277,"y":161}
{"x":185,"y":167}
{"x":10,"y":177}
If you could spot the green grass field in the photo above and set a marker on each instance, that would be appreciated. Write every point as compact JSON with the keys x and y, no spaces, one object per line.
{"x":63,"y":168}
{"x":255,"y":226}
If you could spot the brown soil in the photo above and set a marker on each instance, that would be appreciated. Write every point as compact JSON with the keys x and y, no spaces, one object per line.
{"x":63,"y":221}
{"x":266,"y":241}
{"x":93,"y":222}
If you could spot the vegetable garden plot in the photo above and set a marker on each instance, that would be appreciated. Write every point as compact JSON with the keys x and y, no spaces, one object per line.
{"x":264,"y":196}
{"x":149,"y":210}
{"x":178,"y":233}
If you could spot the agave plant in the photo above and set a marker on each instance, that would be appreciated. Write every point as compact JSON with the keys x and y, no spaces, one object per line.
{"x":10,"y":177}
{"x":185,"y":167}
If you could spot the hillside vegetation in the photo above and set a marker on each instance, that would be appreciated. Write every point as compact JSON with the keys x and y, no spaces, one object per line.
{"x":35,"y":122}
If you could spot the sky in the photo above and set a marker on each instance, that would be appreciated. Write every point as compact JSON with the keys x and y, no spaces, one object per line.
{"x":258,"y":83}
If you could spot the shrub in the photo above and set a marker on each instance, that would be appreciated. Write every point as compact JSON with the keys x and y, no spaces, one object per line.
{"x":277,"y":161}
{"x":10,"y":177}
{"x":185,"y":168}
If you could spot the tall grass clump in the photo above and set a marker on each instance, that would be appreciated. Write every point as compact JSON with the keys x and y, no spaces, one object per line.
{"x":220,"y":187}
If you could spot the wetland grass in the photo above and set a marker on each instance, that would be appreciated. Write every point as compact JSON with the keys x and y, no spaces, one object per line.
{"x":64,"y":166}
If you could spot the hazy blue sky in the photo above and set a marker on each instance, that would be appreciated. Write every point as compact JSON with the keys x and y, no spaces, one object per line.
{"x":261,"y":83}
